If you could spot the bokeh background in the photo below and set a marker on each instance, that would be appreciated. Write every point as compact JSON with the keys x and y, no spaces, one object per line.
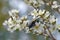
{"x":5,"y":6}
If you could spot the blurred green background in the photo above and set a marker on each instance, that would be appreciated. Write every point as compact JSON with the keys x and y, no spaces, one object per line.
{"x":3,"y":12}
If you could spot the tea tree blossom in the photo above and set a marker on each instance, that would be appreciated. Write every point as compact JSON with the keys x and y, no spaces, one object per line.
{"x":47,"y":14}
{"x":13,"y":12}
{"x":52,"y":19}
{"x":42,"y":22}
{"x":37,"y":25}
{"x":14,"y":22}
{"x":34,"y":13}
{"x":55,"y":4}
{"x":34,"y":3}
{"x":41,"y":12}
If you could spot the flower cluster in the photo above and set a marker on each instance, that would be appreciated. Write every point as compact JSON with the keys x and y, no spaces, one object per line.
{"x":42,"y":22}
{"x":55,"y":4}
{"x":41,"y":19}
{"x":15,"y":22}
{"x":36,"y":13}
{"x":34,"y":3}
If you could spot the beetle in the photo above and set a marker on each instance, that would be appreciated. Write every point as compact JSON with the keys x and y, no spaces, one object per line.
{"x":32,"y":24}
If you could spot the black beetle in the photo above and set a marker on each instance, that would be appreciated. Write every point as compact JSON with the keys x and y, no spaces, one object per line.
{"x":32,"y":24}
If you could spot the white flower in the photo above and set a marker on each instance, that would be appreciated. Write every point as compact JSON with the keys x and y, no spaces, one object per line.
{"x":19,"y":21}
{"x":10,"y":21}
{"x":41,"y":12}
{"x":23,"y":18}
{"x":17,"y":26}
{"x":36,"y":4}
{"x":5,"y":22}
{"x":55,"y":6}
{"x":52,"y":19}
{"x":46,"y":14}
{"x":11,"y":25}
{"x":38,"y":31}
{"x":34,"y":13}
{"x":23,"y":25}
{"x":27,"y":30}
{"x":58,"y":27}
{"x":54,"y":2}
{"x":33,"y":3}
{"x":13,"y":12}
{"x":14,"y":24}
